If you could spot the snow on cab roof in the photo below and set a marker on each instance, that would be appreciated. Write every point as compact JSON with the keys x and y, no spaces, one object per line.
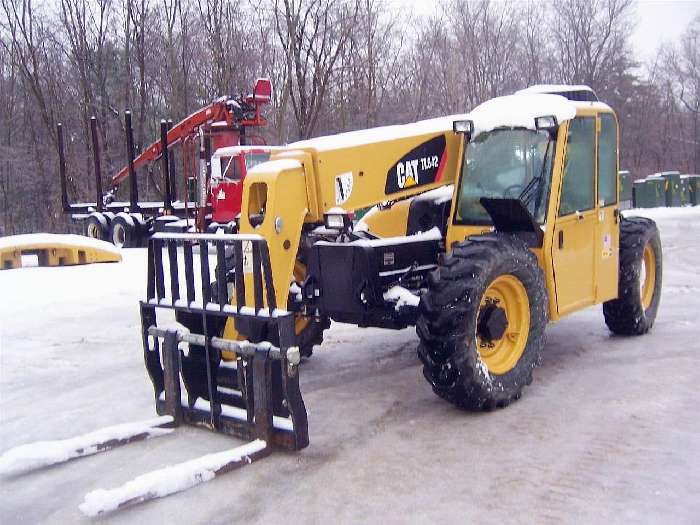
{"x":276,"y":165}
{"x":516,"y":111}
{"x":551,"y":89}
{"x":519,"y":111}
{"x":234,"y":150}
{"x":372,"y":135}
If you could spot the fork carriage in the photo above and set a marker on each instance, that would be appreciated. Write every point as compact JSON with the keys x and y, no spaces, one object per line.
{"x":248,"y":389}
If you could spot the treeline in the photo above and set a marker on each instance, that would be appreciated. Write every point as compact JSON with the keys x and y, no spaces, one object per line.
{"x":336,"y":65}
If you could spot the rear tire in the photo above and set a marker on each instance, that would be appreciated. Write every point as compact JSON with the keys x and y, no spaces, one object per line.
{"x":96,"y":227}
{"x":125,"y":232}
{"x":463,"y":364}
{"x":638,"y":298}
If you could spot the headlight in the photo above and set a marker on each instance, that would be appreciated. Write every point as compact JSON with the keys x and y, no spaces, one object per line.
{"x":464,"y":127}
{"x":338,"y":220}
{"x":548,"y":123}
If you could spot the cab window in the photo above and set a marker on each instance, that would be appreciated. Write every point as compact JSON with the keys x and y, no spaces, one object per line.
{"x":607,"y":161}
{"x":505,"y":164}
{"x":253,"y":159}
{"x":231,"y":168}
{"x":577,"y":192}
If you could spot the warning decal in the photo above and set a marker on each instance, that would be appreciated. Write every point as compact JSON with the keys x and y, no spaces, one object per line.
{"x":247,"y":256}
{"x":343,"y":187}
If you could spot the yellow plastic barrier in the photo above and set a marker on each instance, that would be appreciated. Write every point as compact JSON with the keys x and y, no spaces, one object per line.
{"x":55,"y":250}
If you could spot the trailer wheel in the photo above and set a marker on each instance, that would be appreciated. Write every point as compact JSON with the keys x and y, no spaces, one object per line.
{"x":96,"y":227}
{"x":639,"y":285}
{"x":125,"y":232}
{"x":482,"y":322}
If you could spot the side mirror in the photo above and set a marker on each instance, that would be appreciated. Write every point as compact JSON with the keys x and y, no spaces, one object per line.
{"x":464,"y":127}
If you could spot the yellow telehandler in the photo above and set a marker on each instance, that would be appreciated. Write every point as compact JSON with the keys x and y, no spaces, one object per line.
{"x":483,"y":227}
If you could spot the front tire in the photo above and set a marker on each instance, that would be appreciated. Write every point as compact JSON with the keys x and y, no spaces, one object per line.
{"x":639,"y":284}
{"x":482,"y":322}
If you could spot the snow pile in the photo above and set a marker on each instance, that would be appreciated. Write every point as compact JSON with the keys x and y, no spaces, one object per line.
{"x":484,"y":370}
{"x":686,"y":213}
{"x":401,"y":296}
{"x":438,"y":195}
{"x":44,"y":453}
{"x":433,"y":234}
{"x":54,"y":240}
{"x":519,"y":111}
{"x":295,"y":290}
{"x":168,"y":480}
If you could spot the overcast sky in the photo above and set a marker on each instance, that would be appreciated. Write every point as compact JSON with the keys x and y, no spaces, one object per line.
{"x":657,"y":20}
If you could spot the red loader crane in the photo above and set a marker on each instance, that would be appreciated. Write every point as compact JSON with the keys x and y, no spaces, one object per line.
{"x":206,"y":203}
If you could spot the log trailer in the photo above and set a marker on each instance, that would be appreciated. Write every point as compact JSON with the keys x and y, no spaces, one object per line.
{"x":485,"y":227}
{"x":210,"y":194}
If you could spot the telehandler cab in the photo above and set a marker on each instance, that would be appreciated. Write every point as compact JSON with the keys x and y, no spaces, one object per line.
{"x":485,"y":227}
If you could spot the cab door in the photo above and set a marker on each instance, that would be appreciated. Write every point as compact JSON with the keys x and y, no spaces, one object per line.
{"x":608,"y":234}
{"x":575,"y":232}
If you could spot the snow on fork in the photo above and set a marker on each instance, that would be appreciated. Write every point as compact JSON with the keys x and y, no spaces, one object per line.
{"x":45,"y":453}
{"x":172,"y":479}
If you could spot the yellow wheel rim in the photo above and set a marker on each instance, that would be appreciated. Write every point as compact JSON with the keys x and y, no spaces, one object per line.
{"x":502,"y":351}
{"x":647,"y":276}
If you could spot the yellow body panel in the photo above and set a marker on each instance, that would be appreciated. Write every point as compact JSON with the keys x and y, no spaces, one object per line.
{"x":282,"y":187}
{"x":301,"y":184}
{"x":608,"y":237}
{"x":458,"y":232}
{"x":574,"y":261}
{"x":55,"y":250}
{"x":302,"y":194}
{"x":369,"y":164}
{"x":388,"y":221}
{"x":585,"y":270}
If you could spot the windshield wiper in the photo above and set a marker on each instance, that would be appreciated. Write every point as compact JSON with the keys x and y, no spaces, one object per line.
{"x":527,"y":191}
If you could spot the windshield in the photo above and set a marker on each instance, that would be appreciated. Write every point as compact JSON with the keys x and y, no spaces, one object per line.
{"x":506,"y":164}
{"x":230,"y":168}
{"x":253,"y":159}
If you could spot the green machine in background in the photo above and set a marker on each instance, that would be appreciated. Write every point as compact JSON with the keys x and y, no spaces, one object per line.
{"x":672,"y":187}
{"x":692,"y":183}
{"x":649,"y":192}
{"x":625,"y":178}
{"x":668,"y":188}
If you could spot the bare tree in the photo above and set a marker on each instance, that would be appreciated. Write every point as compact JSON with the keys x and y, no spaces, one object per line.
{"x":685,"y":69}
{"x":591,"y":40}
{"x":313,"y":34}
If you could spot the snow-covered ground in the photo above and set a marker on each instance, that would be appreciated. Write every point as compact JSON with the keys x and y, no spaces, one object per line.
{"x":609,"y":431}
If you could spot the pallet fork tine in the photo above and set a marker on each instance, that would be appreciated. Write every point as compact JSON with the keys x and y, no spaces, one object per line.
{"x":33,"y":456}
